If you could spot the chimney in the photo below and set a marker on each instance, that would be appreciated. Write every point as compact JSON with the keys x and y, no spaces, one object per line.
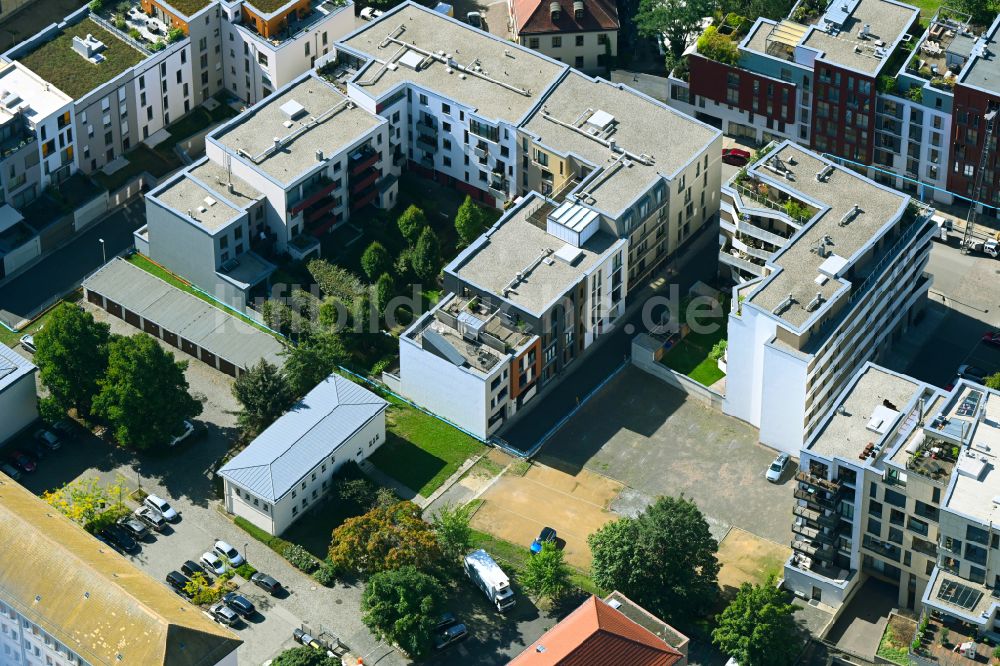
{"x":277,"y":143}
{"x":319,"y":155}
{"x":578,"y":9}
{"x":555,"y":10}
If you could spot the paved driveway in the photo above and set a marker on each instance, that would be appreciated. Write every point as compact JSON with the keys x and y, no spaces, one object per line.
{"x":657,"y":442}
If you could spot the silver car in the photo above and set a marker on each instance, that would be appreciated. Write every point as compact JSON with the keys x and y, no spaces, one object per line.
{"x":776,"y":469}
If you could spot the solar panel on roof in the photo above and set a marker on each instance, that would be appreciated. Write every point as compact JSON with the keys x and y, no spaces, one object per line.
{"x":959,"y":595}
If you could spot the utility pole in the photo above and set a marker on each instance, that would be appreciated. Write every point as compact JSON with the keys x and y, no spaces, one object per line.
{"x":970,"y":221}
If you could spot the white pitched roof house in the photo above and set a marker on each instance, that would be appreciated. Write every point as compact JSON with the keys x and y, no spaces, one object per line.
{"x":288,"y":467}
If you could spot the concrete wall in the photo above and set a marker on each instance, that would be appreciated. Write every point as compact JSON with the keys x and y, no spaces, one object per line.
{"x":19,"y":406}
{"x":645,"y":356}
{"x":583,"y":57}
{"x":180,"y":246}
{"x":783,"y":399}
{"x":90,"y":211}
{"x":22,"y":255}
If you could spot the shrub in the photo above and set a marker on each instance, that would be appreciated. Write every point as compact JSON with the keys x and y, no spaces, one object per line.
{"x":123,"y":7}
{"x":718,"y":350}
{"x":915,"y":645}
{"x":135,"y":34}
{"x":109,"y":517}
{"x":718,"y":47}
{"x":253,"y":530}
{"x":157,"y":46}
{"x":118,"y":22}
{"x":246,"y":570}
{"x":326,"y":574}
{"x":175,"y":35}
{"x":944,"y":635}
{"x":96,"y":6}
{"x":300,"y":558}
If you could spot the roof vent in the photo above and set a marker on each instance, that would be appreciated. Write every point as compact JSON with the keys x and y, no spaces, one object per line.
{"x":319,"y":155}
{"x":555,"y":10}
{"x":815,"y":303}
{"x":539,"y":648}
{"x":783,"y":305}
{"x":578,"y":9}
{"x":866,"y":30}
{"x":850,"y":215}
{"x":825,"y":173}
{"x":90,"y":48}
{"x":292,"y":109}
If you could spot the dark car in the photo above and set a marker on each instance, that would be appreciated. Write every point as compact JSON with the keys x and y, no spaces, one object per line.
{"x":191,"y":568}
{"x":445,"y":621}
{"x":47,"y":439}
{"x":992,"y":338}
{"x":450,"y":636}
{"x":267,"y":583}
{"x":117,"y":535}
{"x":177,"y":580}
{"x":547,"y":534}
{"x":735,"y":156}
{"x":66,"y":429}
{"x":972,"y":373}
{"x":240,"y":604}
{"x":22,"y":461}
{"x":135,"y":527}
{"x":10,"y":471}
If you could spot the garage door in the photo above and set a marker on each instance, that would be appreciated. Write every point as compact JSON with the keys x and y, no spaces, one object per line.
{"x":170,"y":338}
{"x":227,"y":367}
{"x":132,"y":318}
{"x":114,"y":308}
{"x":208,"y":357}
{"x":95,"y":298}
{"x":150,"y":328}
{"x":189,"y":347}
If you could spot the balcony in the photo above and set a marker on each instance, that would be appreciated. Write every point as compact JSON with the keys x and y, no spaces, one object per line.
{"x":362,"y":183}
{"x":813,"y":534}
{"x":820,"y":499}
{"x":499,"y":186}
{"x":812,"y":550}
{"x":818,"y":482}
{"x":428,"y":144}
{"x":362,"y":159}
{"x":819,"y":517}
{"x":934,"y":459}
{"x":364,"y":198}
{"x":326,"y":186}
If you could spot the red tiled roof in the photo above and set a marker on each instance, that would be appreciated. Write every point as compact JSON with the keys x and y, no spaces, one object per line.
{"x":595,"y":634}
{"x":535,"y":16}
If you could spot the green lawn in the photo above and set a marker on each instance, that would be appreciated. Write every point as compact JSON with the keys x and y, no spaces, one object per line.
{"x":159,"y":162}
{"x":421,"y":451}
{"x":928,"y":8}
{"x":11,"y":339}
{"x":60,"y":65}
{"x":691,"y":357}
{"x":513,"y":557}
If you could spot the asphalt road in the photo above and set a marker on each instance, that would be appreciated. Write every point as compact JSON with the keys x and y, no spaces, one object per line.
{"x":58,"y":273}
{"x":609,"y":352}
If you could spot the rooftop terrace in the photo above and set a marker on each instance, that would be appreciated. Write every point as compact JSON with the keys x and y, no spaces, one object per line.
{"x":517,"y":260}
{"x":58,"y":63}
{"x":501,"y":80}
{"x":976,"y":482}
{"x":307,"y":117}
{"x":983,"y":69}
{"x":852,"y":212}
{"x":944,"y":49}
{"x":566,"y":124}
{"x":871,"y":408}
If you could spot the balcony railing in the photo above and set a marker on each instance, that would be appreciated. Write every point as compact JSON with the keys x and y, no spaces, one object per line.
{"x":818,"y":498}
{"x":819,"y":517}
{"x":817,"y":482}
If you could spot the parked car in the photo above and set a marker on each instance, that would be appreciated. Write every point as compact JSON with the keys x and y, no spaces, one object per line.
{"x":151,"y":517}
{"x":777,"y":467}
{"x":28,"y":342}
{"x":117,"y":536}
{"x":735,"y":156}
{"x":992,"y":338}
{"x":240,"y":604}
{"x":223,"y":614}
{"x":972,"y":373}
{"x":48,"y":439}
{"x":213,"y":563}
{"x":22,"y":461}
{"x":65,"y":429}
{"x":266,"y":583}
{"x":190,"y":568}
{"x":186,"y":431}
{"x":10,"y":471}
{"x":135,"y":527}
{"x":223,"y":549}
{"x":475,"y":19}
{"x":177,"y":580}
{"x":445,"y":621}
{"x":547,"y":534}
{"x":450,"y":636}
{"x":300,"y":636}
{"x":161,"y":505}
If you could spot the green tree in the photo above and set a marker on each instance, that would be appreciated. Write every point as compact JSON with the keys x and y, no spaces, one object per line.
{"x":264,"y":394}
{"x":427,"y":256}
{"x":718,"y":47}
{"x":385,"y":287}
{"x":144,"y":394}
{"x":385,"y":538}
{"x":993,"y":381}
{"x":546,"y":573}
{"x":313,"y":360}
{"x":470,"y":222}
{"x":401,"y":606}
{"x":411,"y":222}
{"x":304,"y":656}
{"x":375,"y":260}
{"x":664,"y":559}
{"x":677,"y":19}
{"x":454,"y":533}
{"x":72,"y":356}
{"x":757,"y":627}
{"x":83,"y":500}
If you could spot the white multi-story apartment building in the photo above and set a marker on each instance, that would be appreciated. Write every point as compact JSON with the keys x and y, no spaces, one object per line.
{"x":66,"y":599}
{"x":289,"y":467}
{"x":18,"y":393}
{"x":900,"y":483}
{"x":829,"y":268}
{"x":275,"y":178}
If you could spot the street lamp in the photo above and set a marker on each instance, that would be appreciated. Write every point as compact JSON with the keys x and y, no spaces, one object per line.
{"x":104,"y":255}
{"x":246,"y":552}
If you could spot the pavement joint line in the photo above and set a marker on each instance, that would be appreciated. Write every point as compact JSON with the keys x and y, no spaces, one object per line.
{"x":579,"y":499}
{"x":450,"y":481}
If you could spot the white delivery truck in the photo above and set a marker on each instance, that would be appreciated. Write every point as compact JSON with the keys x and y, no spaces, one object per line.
{"x":490,"y":578}
{"x":944,"y":227}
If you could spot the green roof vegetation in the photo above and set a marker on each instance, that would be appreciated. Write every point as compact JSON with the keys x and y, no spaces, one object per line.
{"x":268,"y":6}
{"x":70,"y":72}
{"x":186,"y":7}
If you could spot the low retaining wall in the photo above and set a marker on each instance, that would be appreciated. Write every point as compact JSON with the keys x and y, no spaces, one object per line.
{"x":646,"y":352}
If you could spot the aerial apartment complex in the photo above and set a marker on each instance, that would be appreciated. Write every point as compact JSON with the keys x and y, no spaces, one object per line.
{"x":857,"y":80}
{"x":900,"y":483}
{"x":66,"y":599}
{"x":829,"y":271}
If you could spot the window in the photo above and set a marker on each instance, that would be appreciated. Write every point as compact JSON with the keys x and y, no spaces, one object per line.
{"x":579,"y":40}
{"x":875,"y":509}
{"x":446,"y":108}
{"x":874,"y":527}
{"x":602,"y":39}
{"x":976,"y":534}
{"x":894,"y":498}
{"x":556,"y":42}
{"x":533,"y":42}
{"x":578,"y":62}
{"x":423,"y":99}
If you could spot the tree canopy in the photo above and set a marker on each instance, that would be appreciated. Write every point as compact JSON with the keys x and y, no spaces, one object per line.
{"x":664,"y":559}
{"x":264,"y":394}
{"x":470,"y":221}
{"x":411,"y":222}
{"x":427,"y":256}
{"x":313,"y":360}
{"x":454,"y":533}
{"x":375,"y":260}
{"x":304,"y":656}
{"x":402,"y":606}
{"x":757,"y":627}
{"x":385,"y":286}
{"x":72,"y":355}
{"x":144,"y":394}
{"x":678,"y":20}
{"x":546,"y":573}
{"x":385,"y":538}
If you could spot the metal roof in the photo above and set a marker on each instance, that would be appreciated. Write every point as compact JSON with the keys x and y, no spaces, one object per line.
{"x":13,"y":366}
{"x":299,"y":441}
{"x":189,"y":317}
